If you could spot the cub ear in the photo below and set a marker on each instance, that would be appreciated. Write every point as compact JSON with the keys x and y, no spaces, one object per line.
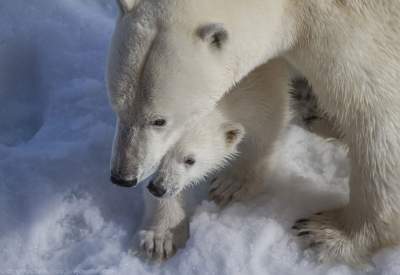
{"x":126,"y":5}
{"x":215,"y":34}
{"x":233,"y":133}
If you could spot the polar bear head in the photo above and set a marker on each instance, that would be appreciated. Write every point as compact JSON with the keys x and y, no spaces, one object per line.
{"x":201,"y":151}
{"x":170,"y":61}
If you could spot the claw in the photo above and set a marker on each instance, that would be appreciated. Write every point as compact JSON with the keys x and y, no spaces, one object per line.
{"x":304,"y":233}
{"x":149,"y":253}
{"x":302,"y":221}
{"x":315,"y":244}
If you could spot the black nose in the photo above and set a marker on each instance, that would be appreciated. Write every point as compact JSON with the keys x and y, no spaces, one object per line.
{"x":123,"y":182}
{"x":156,"y":190}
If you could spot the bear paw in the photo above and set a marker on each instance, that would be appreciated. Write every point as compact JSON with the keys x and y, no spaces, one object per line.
{"x":157,"y":246}
{"x":324,"y":235}
{"x":228,"y":188}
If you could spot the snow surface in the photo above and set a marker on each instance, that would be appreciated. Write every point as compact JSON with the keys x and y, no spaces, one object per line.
{"x":59,"y":214}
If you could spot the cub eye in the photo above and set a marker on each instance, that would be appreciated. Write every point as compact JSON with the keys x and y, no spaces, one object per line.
{"x":216,"y":41}
{"x":190,"y":161}
{"x":159,"y":122}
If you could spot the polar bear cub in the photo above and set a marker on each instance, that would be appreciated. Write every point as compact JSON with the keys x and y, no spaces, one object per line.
{"x":248,"y":121}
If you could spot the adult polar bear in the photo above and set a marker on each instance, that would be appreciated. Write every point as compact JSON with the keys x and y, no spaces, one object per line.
{"x":190,"y":52}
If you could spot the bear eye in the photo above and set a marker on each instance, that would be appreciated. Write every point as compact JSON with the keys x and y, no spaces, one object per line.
{"x":190,"y":161}
{"x":215,"y":34}
{"x":159,"y":122}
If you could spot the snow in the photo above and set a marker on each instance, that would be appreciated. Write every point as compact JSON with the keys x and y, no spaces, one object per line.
{"x":60,"y":214}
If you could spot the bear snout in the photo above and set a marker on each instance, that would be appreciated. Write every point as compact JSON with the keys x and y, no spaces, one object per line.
{"x":121,"y":181}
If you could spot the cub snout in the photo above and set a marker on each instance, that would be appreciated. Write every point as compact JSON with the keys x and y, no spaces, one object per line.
{"x":156,"y":189}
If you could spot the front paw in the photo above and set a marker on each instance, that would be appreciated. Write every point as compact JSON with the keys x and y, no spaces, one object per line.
{"x":157,"y":246}
{"x":223,"y":189}
{"x":228,"y":188}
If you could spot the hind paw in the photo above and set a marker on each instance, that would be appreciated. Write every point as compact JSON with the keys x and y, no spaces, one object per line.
{"x":324,"y":234}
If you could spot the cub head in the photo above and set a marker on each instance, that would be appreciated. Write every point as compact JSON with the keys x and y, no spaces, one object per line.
{"x":170,"y":61}
{"x":199,"y":153}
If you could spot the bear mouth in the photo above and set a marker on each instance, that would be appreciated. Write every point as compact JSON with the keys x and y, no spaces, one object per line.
{"x":123,"y":182}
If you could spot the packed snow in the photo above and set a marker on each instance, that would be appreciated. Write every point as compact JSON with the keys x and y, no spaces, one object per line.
{"x":59,"y":214}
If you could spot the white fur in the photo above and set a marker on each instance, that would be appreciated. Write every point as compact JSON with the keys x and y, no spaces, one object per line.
{"x":126,"y":5}
{"x":260,"y":105}
{"x":348,"y":50}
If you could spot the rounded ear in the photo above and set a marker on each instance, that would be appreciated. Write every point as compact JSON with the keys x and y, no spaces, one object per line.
{"x":233,"y":133}
{"x":215,"y":34}
{"x":126,"y":5}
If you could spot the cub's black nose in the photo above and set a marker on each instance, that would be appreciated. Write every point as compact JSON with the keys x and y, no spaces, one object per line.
{"x":123,"y":182}
{"x":156,"y":190}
